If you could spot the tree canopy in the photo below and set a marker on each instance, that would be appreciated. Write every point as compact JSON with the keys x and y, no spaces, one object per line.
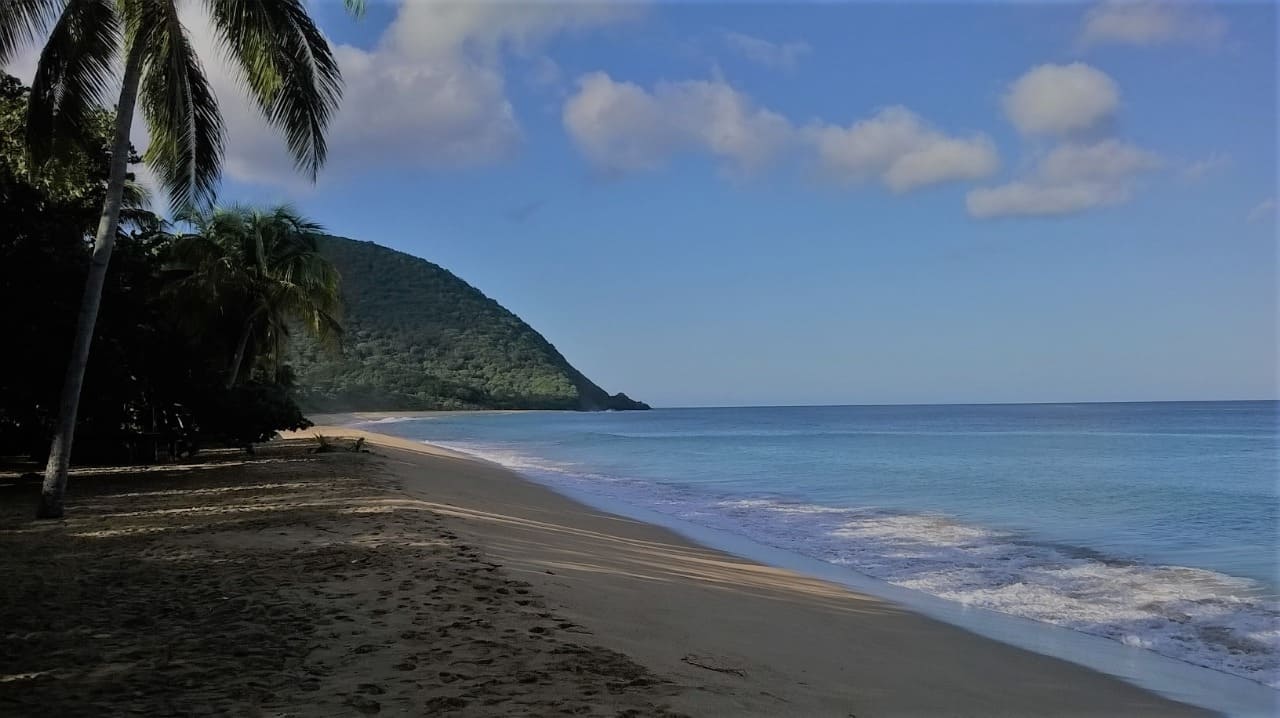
{"x":254,"y":272}
{"x":162,"y":361}
{"x":285,"y":63}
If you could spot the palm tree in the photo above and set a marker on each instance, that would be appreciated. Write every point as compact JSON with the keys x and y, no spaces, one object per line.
{"x":257,"y":272}
{"x":285,"y":64}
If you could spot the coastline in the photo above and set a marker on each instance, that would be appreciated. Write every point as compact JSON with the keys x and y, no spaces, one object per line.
{"x":738,"y":636}
{"x":337,"y":421}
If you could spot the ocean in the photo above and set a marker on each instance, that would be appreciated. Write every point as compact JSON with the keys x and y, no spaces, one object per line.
{"x":1151,"y":524}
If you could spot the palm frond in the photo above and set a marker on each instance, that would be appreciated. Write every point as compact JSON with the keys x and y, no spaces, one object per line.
{"x":287,"y":66}
{"x":355,"y":7}
{"x":140,"y":220}
{"x":259,"y":269}
{"x":72,"y":78}
{"x":180,"y":107}
{"x":25,"y":21}
{"x":136,"y":195}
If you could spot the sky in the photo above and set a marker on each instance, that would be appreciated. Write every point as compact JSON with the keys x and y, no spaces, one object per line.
{"x":733,"y":204}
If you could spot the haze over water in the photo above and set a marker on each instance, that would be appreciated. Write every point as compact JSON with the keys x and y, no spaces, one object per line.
{"x":1152,"y":524}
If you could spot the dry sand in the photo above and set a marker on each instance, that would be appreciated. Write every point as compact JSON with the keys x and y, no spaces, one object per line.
{"x":287,"y":584}
{"x":414,"y":581}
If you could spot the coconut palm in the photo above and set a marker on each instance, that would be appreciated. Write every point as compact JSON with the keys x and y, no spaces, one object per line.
{"x":284,"y":62}
{"x":255,"y":273}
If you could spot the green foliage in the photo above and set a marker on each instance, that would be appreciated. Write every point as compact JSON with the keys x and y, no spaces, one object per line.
{"x":21,"y":22}
{"x":247,"y":274}
{"x":160,"y":354}
{"x":181,"y":111}
{"x":284,"y":60}
{"x":65,"y":196}
{"x":73,"y":75}
{"x":417,"y":337}
{"x":251,"y":412}
{"x":44,"y":227}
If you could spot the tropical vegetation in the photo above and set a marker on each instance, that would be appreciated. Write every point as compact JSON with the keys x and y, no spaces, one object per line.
{"x":417,"y":337}
{"x":218,"y":327}
{"x":284,"y":61}
{"x":253,"y":273}
{"x":173,"y":371}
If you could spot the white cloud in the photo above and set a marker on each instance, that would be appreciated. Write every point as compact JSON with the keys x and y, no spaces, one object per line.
{"x":1152,"y":22}
{"x":1105,"y":161}
{"x":778,"y":55}
{"x":430,"y":94}
{"x":1030,"y":198}
{"x":1071,"y":103}
{"x":1199,"y":169}
{"x":1071,"y":178}
{"x":902,"y":150}
{"x":621,"y":126}
{"x":727,"y":122}
{"x":446,"y":114}
{"x":1061,"y":99}
{"x":1264,"y":211}
{"x":618,"y":125}
{"x":444,"y":28}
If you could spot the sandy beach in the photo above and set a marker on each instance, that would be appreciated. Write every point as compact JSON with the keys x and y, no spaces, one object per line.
{"x":414,"y":581}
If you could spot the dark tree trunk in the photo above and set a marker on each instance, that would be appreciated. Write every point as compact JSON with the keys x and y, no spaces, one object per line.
{"x":55,"y":473}
{"x":238,"y":358}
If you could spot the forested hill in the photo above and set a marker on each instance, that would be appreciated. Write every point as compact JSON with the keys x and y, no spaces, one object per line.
{"x":417,"y":337}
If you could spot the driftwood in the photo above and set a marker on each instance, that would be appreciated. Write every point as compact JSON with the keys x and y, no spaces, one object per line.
{"x":325,"y":445}
{"x":712,"y":664}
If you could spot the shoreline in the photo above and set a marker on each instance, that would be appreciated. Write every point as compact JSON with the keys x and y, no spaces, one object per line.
{"x":339,"y":419}
{"x":1068,"y":687}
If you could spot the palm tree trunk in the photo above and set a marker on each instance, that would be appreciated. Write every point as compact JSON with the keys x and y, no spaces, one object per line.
{"x":238,"y":359}
{"x":55,"y":473}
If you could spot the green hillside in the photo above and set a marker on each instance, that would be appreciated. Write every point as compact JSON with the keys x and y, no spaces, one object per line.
{"x":417,"y":338}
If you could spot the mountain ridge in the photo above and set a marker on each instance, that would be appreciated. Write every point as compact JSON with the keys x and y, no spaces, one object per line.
{"x":418,"y":337}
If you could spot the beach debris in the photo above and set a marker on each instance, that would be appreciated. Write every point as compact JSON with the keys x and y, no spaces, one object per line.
{"x":712,"y":663}
{"x":325,"y":445}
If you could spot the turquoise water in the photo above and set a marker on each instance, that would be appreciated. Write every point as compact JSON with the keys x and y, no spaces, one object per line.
{"x":1151,"y":524}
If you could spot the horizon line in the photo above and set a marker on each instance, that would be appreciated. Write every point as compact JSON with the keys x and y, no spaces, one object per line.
{"x":970,"y":403}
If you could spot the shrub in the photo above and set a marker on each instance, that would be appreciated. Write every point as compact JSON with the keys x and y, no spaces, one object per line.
{"x":251,"y":412}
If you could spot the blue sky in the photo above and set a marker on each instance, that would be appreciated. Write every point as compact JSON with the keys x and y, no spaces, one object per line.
{"x":845,"y":203}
